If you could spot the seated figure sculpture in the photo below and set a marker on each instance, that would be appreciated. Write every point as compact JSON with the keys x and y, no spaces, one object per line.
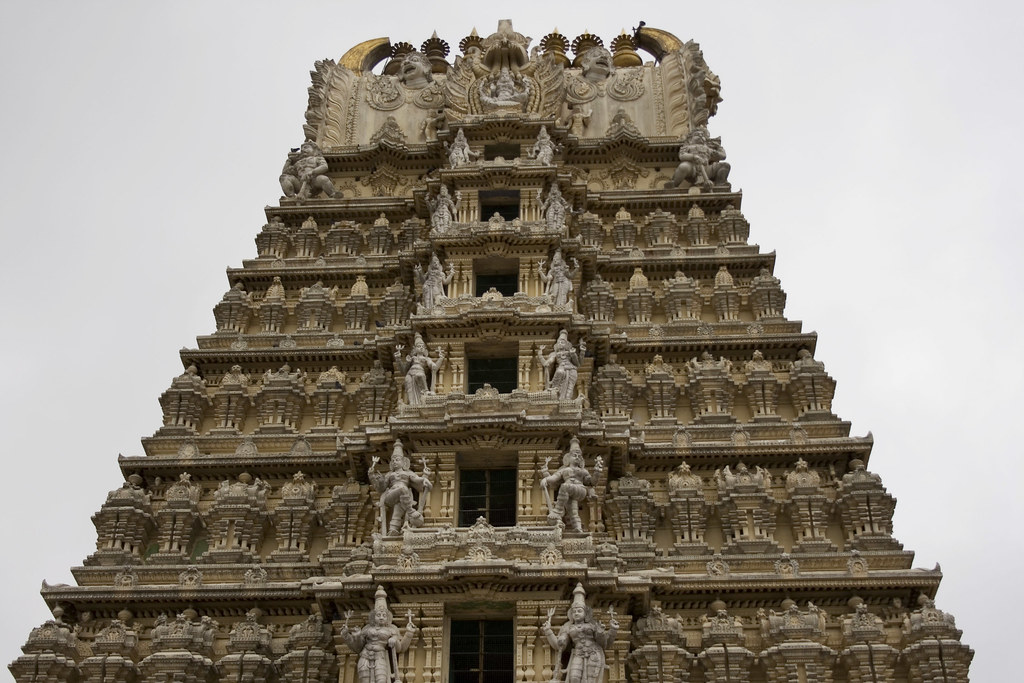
{"x":574,"y":485}
{"x":305,"y":176}
{"x":504,"y":91}
{"x":416,"y":365}
{"x":379,"y":642}
{"x":587,"y":637}
{"x":701,"y":162}
{"x":566,"y":360}
{"x":395,"y":488}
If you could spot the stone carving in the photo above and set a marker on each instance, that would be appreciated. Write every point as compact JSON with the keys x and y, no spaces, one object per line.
{"x":459,"y":153}
{"x":598,"y":300}
{"x":433,"y":283}
{"x":316,"y":307}
{"x":415,"y":70}
{"x":613,"y":388}
{"x":570,"y":485}
{"x":747,"y":509}
{"x":866,"y":509}
{"x":396,"y":492}
{"x":234,"y":310}
{"x":280,"y":400}
{"x":185,"y":402}
{"x":726,"y":297}
{"x":622,"y":126}
{"x":176,"y":521}
{"x":304,"y":176}
{"x":238,"y":520}
{"x":416,"y":366}
{"x":543,"y":149}
{"x":379,"y":642}
{"x":504,"y":91}
{"x":123,"y":524}
{"x":811,"y":386}
{"x":566,"y":362}
{"x":554,"y":207}
{"x":596,"y":64}
{"x":578,"y":119}
{"x":711,"y":388}
{"x":701,"y":162}
{"x":587,"y":638}
{"x":766,"y":296}
{"x":558,"y":278}
{"x":443,"y":210}
{"x":294,"y":518}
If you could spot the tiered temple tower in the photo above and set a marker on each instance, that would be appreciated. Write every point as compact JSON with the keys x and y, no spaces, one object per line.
{"x":505,"y":395}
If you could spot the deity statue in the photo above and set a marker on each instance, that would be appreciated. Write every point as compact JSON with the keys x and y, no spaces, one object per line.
{"x":432,"y":124}
{"x":415,"y":366}
{"x":543,"y":149}
{"x":587,"y":637}
{"x":396,"y":489}
{"x":459,"y":153}
{"x":701,"y":162}
{"x":554,"y":207}
{"x":578,"y":118}
{"x":558,"y":278}
{"x":443,"y":210}
{"x":566,"y":361}
{"x":415,"y":70}
{"x":596,"y":64}
{"x":575,"y":484}
{"x":504,"y":91}
{"x":433,"y":283}
{"x":379,"y":642}
{"x":305,"y":176}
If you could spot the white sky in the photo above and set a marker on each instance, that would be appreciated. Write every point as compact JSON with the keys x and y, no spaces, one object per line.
{"x":877,"y":145}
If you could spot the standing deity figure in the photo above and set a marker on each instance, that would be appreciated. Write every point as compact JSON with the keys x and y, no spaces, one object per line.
{"x":558,"y":278}
{"x":459,"y":153}
{"x":433,"y":283}
{"x":395,"y":488}
{"x":566,"y":360}
{"x":305,"y":176}
{"x":416,"y":365}
{"x":587,"y":637}
{"x":443,"y":210}
{"x":543,"y":149}
{"x":574,"y":485}
{"x":379,"y":642}
{"x":554,"y":207}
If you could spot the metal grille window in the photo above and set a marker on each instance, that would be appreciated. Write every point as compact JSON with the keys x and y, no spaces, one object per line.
{"x":490,"y":494}
{"x":506,"y":283}
{"x":481,"y":652}
{"x":500,"y":373}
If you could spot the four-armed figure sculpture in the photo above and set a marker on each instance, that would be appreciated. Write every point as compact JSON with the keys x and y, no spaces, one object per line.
{"x":566,"y":360}
{"x":459,"y":153}
{"x":443,"y":210}
{"x":554,"y":207}
{"x":433,"y":283}
{"x":558,"y":279}
{"x":415,"y":366}
{"x":543,"y":149}
{"x":575,"y":484}
{"x":305,"y":176}
{"x":701,"y":162}
{"x":396,"y":489}
{"x":587,"y":637}
{"x":379,"y":642}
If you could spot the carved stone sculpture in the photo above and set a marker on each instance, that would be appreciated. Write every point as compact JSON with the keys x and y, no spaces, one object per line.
{"x":543,"y":149}
{"x":566,"y":362}
{"x":443,"y":210}
{"x":305,"y":175}
{"x":396,"y":492}
{"x":459,"y":153}
{"x":570,"y":485}
{"x":433,"y":283}
{"x":701,"y":162}
{"x":587,"y":638}
{"x":414,"y":72}
{"x":554,"y":207}
{"x":420,"y":370}
{"x":379,"y":642}
{"x":558,"y":278}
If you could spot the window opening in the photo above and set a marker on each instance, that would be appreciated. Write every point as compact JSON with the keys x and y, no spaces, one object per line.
{"x":504,"y":202}
{"x":500,"y":373}
{"x":480,"y":652}
{"x":490,"y":494}
{"x":505,"y":150}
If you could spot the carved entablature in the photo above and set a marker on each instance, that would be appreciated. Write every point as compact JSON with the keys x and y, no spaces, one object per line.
{"x":797,"y":644}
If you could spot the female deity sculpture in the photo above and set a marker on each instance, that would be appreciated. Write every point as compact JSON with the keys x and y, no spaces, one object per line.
{"x":575,"y":484}
{"x":433,"y":283}
{"x":395,"y":488}
{"x":416,"y":365}
{"x":379,"y":642}
{"x":459,"y":152}
{"x":443,"y":210}
{"x":566,"y":361}
{"x":558,"y":278}
{"x":587,"y":637}
{"x":554,"y":207}
{"x":543,"y":149}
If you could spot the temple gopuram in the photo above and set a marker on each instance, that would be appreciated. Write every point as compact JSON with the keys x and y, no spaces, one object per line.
{"x":505,"y":395}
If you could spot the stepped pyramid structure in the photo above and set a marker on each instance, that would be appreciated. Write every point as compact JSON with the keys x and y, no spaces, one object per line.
{"x":505,"y":395}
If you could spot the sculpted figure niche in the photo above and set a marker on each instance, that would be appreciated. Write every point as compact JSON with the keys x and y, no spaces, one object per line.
{"x":543,"y":149}
{"x":459,"y":153}
{"x":397,"y":505}
{"x":558,"y":278}
{"x":379,"y":642}
{"x":587,"y":637}
{"x":701,"y":162}
{"x":433,"y":283}
{"x":554,"y":208}
{"x":566,"y":362}
{"x":573,"y":483}
{"x":443,"y":210}
{"x":504,"y":91}
{"x":418,"y":366}
{"x":305,"y":175}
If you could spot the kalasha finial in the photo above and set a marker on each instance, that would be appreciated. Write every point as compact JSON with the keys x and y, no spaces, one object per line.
{"x":555,"y":44}
{"x":471,"y":41}
{"x":624,"y":51}
{"x":436,"y":50}
{"x":582,"y":43}
{"x":398,"y":50}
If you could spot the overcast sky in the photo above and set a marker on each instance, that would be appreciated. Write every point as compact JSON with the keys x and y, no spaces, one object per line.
{"x":877,"y":145}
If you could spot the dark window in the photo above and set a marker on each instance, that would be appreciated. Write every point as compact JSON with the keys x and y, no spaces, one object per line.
{"x":500,"y":373}
{"x":505,"y":150}
{"x":481,"y":652}
{"x":490,"y":494}
{"x":506,"y":283}
{"x":504,"y":202}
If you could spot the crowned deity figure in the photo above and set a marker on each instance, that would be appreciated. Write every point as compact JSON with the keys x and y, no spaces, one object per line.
{"x":433,"y":283}
{"x":566,"y":362}
{"x":459,"y":153}
{"x":379,"y":642}
{"x":504,"y":91}
{"x":569,"y":486}
{"x":543,"y":149}
{"x":418,"y":367}
{"x":587,"y":638}
{"x":558,"y":278}
{"x":395,"y":488}
{"x":701,"y":162}
{"x":443,"y":210}
{"x":554,"y":208}
{"x":306,"y":175}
